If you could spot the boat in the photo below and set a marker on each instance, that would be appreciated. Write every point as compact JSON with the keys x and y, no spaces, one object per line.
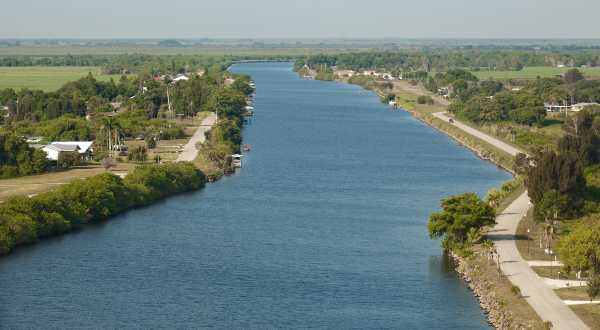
{"x":393,"y":105}
{"x":237,"y":160}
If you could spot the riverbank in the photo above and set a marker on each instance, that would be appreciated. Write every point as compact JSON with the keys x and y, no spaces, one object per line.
{"x":548,"y":306}
{"x":23,"y":220}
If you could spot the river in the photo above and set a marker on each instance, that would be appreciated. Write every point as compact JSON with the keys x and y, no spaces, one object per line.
{"x":323,"y":227}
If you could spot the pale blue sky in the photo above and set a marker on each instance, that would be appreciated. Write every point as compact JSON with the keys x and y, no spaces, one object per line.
{"x":299,"y":19}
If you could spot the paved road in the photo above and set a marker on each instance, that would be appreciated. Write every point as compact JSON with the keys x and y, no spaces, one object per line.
{"x":414,"y":91}
{"x":190,"y":152}
{"x":493,"y":141}
{"x":536,"y":290}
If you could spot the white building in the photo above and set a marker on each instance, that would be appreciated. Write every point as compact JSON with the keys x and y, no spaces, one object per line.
{"x":580,"y":106}
{"x":54,"y":150}
{"x":85,"y":148}
{"x":180,"y":78}
{"x":350,"y":73}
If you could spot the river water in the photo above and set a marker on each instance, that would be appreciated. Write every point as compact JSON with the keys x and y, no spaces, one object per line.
{"x":324,"y":227}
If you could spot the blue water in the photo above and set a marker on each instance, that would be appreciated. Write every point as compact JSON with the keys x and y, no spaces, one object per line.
{"x":323,"y":228}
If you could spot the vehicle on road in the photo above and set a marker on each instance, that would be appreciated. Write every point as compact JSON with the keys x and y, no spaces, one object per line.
{"x":140,"y":137}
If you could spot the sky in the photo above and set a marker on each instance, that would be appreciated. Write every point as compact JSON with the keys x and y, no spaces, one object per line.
{"x":118,"y":19}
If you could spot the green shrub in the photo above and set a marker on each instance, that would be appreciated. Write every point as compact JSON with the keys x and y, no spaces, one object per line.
{"x":24,"y":220}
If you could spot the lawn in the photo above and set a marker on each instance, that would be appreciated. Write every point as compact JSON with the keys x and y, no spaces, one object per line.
{"x":46,"y":78}
{"x":532,"y":72}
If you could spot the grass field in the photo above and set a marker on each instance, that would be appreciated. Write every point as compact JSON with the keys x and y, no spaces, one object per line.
{"x":532,"y":72}
{"x":48,"y":78}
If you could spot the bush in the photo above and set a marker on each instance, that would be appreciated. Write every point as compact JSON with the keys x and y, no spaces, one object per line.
{"x":425,"y":99}
{"x":25,"y":220}
{"x":69,"y":159}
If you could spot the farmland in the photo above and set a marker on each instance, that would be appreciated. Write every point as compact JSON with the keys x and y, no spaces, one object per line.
{"x":532,"y":72}
{"x":48,"y":79}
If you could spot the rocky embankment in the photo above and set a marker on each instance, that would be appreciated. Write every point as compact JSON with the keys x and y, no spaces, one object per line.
{"x":497,"y":315}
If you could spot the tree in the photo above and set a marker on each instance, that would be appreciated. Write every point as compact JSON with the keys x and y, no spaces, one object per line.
{"x":242,"y":86}
{"x":593,"y":287}
{"x":110,"y":123}
{"x":521,"y":163}
{"x":460,"y":214}
{"x":167,"y":82}
{"x":108,"y":163}
{"x":572,"y":76}
{"x":515,"y":290}
{"x":553,"y":202}
{"x":493,"y":197}
{"x":562,"y":172}
{"x":548,"y":234}
{"x":490,"y":248}
{"x":580,"y":250}
{"x":69,"y":159}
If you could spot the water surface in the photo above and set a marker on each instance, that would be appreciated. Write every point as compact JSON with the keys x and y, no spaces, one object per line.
{"x":324,"y":227}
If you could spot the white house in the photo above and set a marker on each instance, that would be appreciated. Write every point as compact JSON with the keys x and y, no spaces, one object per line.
{"x":35,"y":139}
{"x":54,"y":150}
{"x":386,"y":75}
{"x":85,"y":148}
{"x":580,"y":106}
{"x":370,"y":73}
{"x":180,"y":78}
{"x":350,"y":73}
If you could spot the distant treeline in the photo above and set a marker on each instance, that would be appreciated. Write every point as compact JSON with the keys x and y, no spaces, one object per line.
{"x":436,"y":60}
{"x":24,"y":220}
{"x":135,"y":63}
{"x":332,"y":44}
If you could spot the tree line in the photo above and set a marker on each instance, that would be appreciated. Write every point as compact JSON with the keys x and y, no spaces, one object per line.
{"x":136,"y":63}
{"x":25,"y":220}
{"x":443,"y":60}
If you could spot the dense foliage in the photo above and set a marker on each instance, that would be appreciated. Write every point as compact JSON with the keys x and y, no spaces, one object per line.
{"x":18,"y":159}
{"x":73,"y":205}
{"x":443,"y":60}
{"x":460,"y":214}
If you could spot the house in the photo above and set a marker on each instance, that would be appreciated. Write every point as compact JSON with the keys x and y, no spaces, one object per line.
{"x":85,"y":148}
{"x":350,"y":73}
{"x":580,"y":106}
{"x":35,"y":139}
{"x":386,"y":75}
{"x":54,"y":150}
{"x":157,"y":78}
{"x":180,"y":78}
{"x":370,"y":73}
{"x":553,"y":107}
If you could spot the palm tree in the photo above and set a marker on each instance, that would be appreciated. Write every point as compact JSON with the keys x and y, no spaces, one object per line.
{"x":490,"y":248}
{"x":548,"y":233}
{"x":167,"y":82}
{"x":515,"y":290}
{"x":109,"y":123}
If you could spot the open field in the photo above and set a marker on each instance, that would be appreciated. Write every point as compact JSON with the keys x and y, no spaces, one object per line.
{"x":46,"y":78}
{"x":532,"y":72}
